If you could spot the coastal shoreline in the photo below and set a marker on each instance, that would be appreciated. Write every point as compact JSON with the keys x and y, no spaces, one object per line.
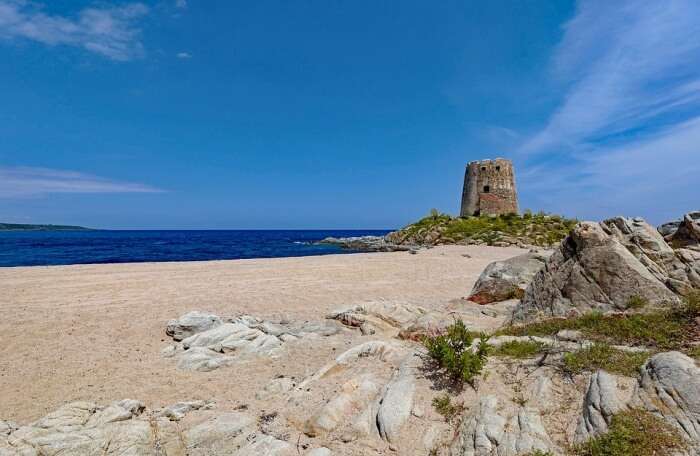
{"x":95,"y":332}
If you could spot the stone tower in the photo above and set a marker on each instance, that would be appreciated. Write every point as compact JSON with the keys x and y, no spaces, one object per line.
{"x":489,"y":188}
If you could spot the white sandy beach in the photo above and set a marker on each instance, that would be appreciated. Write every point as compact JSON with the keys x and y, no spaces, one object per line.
{"x":96,"y":331}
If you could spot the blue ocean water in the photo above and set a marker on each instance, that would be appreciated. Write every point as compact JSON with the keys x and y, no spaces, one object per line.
{"x":34,"y":248}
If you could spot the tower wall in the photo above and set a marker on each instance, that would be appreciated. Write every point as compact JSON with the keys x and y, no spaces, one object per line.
{"x":489,"y":188}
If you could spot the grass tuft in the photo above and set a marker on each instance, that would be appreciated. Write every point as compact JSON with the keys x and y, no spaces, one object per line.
{"x":634,"y":433}
{"x":603,"y":356}
{"x":636,"y":302}
{"x":668,"y":329}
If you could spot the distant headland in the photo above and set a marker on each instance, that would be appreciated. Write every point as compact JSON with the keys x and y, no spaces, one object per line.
{"x":29,"y":227}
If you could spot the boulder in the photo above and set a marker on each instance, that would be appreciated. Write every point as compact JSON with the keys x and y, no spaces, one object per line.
{"x":603,"y":399}
{"x":191,"y":323}
{"x":508,"y":279}
{"x":396,"y":403}
{"x":670,"y":387}
{"x":593,"y":270}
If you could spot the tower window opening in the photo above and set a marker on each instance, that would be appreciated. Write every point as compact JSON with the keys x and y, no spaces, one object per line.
{"x":498,"y":168}
{"x":487,"y":189}
{"x":483,"y":168}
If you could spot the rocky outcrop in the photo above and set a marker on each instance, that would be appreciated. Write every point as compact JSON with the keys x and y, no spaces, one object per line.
{"x":127,"y":428}
{"x":355,"y":397}
{"x":215,"y":342}
{"x":412,"y":322}
{"x":366,"y":394}
{"x":670,"y":387}
{"x":396,"y":403}
{"x":668,"y":229}
{"x":687,"y":235}
{"x":379,"y":316}
{"x":508,"y":279}
{"x":600,"y":267}
{"x":191,"y":323}
{"x":676,"y":269}
{"x":367,"y":244}
{"x":489,"y":430}
{"x":603,"y":399}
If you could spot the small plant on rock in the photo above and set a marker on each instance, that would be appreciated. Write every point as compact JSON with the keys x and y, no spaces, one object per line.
{"x":636,"y":302}
{"x":452,"y":351}
{"x":444,"y":406}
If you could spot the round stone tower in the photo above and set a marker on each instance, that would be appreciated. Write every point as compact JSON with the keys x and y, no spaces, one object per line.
{"x":489,"y":188}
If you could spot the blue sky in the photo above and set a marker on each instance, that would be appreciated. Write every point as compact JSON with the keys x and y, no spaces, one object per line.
{"x":342,"y":114}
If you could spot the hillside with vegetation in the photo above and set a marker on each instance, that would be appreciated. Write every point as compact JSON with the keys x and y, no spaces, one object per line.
{"x":539,"y":229}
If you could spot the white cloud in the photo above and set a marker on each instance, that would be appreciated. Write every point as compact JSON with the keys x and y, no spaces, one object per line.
{"x":109,"y":31}
{"x":626,"y":137}
{"x":627,"y":64}
{"x":182,"y":4}
{"x":29,"y":181}
{"x":184,"y":55}
{"x":655,"y":177}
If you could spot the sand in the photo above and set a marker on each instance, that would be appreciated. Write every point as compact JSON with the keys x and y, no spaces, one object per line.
{"x":95,"y":332}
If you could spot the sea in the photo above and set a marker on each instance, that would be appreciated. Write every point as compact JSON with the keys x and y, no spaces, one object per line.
{"x":44,"y":248}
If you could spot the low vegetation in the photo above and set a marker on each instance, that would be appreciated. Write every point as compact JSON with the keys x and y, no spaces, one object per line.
{"x":636,"y":302}
{"x":634,"y":433}
{"x":603,"y":356}
{"x":667,"y":329}
{"x":452,"y":353}
{"x":444,"y":406}
{"x":531,"y":229}
{"x":519,"y":349}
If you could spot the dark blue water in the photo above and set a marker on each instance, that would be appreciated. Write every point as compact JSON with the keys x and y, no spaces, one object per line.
{"x":34,"y":248}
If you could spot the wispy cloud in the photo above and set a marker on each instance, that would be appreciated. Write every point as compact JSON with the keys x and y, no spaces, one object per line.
{"x":184,"y":55}
{"x":29,"y":181}
{"x":110,"y":31}
{"x":626,"y":133}
{"x":627,"y":63}
{"x":182,"y":4}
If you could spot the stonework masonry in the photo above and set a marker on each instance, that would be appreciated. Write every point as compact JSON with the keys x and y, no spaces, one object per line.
{"x":489,"y":188}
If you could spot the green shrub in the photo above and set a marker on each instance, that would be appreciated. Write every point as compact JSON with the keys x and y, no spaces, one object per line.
{"x":444,"y":406}
{"x":634,"y":433}
{"x":519,"y":349}
{"x":636,"y":302}
{"x":452,"y":352}
{"x":603,"y":356}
